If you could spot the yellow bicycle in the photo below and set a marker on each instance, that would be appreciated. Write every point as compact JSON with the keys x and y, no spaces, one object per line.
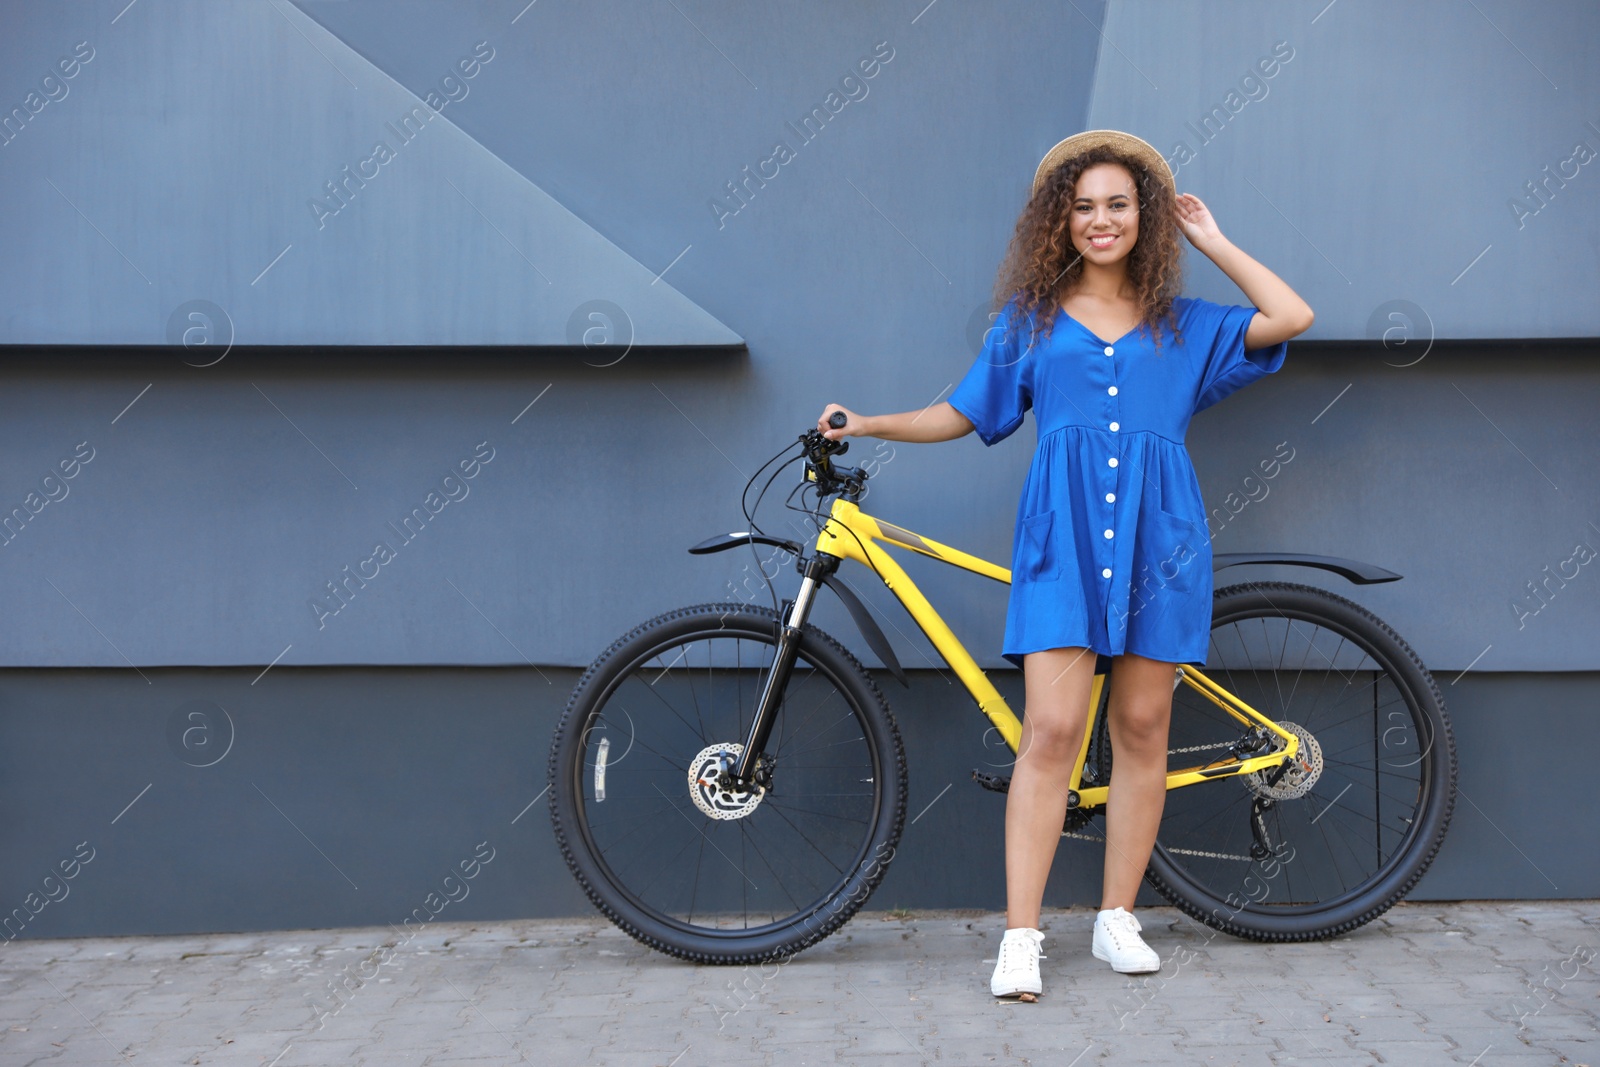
{"x":728,"y":783}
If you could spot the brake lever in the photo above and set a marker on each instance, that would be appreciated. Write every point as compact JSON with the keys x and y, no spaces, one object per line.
{"x":815,"y":443}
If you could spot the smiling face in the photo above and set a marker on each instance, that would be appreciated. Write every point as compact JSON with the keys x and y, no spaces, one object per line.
{"x":1104,"y":214}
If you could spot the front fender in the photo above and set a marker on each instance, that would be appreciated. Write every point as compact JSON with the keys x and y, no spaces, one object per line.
{"x":868,"y":627}
{"x":1349,"y":569}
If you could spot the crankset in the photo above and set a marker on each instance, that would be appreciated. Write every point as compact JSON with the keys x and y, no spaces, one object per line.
{"x":1077,"y":817}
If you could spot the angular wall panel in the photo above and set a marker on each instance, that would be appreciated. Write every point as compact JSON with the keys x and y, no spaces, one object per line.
{"x":241,"y":155}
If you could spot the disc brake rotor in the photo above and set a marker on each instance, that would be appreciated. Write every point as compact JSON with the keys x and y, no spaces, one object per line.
{"x":708,"y":795}
{"x":1301,"y":775}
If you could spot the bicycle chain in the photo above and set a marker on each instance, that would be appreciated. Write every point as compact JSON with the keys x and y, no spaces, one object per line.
{"x":1181,"y":851}
{"x":1210,"y":855}
{"x":1199,"y":748}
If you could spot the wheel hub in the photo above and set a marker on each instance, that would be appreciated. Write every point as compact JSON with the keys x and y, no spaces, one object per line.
{"x":712,"y":788}
{"x":1301,"y":774}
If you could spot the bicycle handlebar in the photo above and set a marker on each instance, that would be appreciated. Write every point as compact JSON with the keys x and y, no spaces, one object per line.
{"x":819,"y":453}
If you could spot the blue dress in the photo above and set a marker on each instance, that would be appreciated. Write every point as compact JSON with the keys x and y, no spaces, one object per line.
{"x":1111,"y":549}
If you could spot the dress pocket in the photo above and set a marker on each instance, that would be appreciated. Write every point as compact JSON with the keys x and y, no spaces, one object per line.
{"x":1039,"y":556}
{"x":1171,"y":550}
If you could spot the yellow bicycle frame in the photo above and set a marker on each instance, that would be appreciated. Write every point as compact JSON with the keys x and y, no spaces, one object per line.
{"x":851,"y":533}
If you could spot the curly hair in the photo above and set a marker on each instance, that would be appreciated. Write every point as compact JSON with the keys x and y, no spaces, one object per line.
{"x":1041,"y":263}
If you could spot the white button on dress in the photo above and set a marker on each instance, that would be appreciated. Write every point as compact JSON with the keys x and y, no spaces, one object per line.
{"x":1110,"y":351}
{"x":1112,"y":390}
{"x":1110,"y":497}
{"x":1112,"y":462}
{"x":1106,"y":573}
{"x":1110,"y":534}
{"x":1114,"y":427}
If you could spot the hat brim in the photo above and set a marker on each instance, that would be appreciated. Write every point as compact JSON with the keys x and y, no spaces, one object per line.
{"x":1125,"y":143}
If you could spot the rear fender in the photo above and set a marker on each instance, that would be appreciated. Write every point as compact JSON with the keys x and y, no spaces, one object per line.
{"x":1349,"y":569}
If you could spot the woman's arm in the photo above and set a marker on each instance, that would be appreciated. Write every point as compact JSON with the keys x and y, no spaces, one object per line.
{"x":939,"y":422}
{"x":1280,"y":313}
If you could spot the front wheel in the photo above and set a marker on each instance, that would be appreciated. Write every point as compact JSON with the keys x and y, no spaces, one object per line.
{"x":686,"y":866}
{"x":1353,"y":824}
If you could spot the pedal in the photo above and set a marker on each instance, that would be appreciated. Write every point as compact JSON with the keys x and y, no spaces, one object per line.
{"x":995,"y":783}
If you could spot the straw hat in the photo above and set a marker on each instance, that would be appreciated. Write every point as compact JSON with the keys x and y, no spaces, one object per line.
{"x":1125,"y":143}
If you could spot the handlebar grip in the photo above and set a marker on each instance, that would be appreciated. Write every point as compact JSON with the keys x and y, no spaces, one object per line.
{"x":838,"y":419}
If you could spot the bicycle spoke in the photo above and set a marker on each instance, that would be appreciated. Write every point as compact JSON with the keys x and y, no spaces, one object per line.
{"x":1352,"y":718}
{"x":800,"y":676}
{"x":777,"y":879}
{"x":835,"y":744}
{"x":815,"y":847}
{"x":664,"y":703}
{"x":698,"y":860}
{"x":662,"y":868}
{"x":683,"y":655}
{"x":676,"y":764}
{"x":791,"y":731}
{"x":813,"y":811}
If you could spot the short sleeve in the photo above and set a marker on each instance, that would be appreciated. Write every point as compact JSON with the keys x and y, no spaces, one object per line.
{"x":1220,"y":329}
{"x":998,"y":389}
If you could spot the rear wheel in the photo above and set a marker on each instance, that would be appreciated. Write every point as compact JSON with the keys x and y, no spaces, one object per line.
{"x":681,"y":863}
{"x":1353,"y":825}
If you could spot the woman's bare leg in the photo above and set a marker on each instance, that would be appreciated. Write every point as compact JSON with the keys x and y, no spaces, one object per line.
{"x":1057,"y":684}
{"x":1140,"y":711}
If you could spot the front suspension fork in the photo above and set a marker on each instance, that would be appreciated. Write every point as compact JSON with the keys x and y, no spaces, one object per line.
{"x":791,"y":622}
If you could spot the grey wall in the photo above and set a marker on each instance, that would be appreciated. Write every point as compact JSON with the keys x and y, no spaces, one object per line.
{"x":345,"y":797}
{"x":220,"y":500}
{"x":1384,"y":158}
{"x":216,"y":508}
{"x":230,"y":154}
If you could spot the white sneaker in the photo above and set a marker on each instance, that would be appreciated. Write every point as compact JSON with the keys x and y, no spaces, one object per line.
{"x":1016,"y":972}
{"x":1117,"y":941}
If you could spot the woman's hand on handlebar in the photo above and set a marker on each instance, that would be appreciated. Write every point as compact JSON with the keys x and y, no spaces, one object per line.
{"x":937,"y":422}
{"x":853,"y":426}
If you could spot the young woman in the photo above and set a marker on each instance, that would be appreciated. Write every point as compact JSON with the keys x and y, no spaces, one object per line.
{"x":1110,"y":553}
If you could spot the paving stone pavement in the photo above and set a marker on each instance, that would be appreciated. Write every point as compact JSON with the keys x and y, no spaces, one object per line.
{"x":1478,"y":984}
